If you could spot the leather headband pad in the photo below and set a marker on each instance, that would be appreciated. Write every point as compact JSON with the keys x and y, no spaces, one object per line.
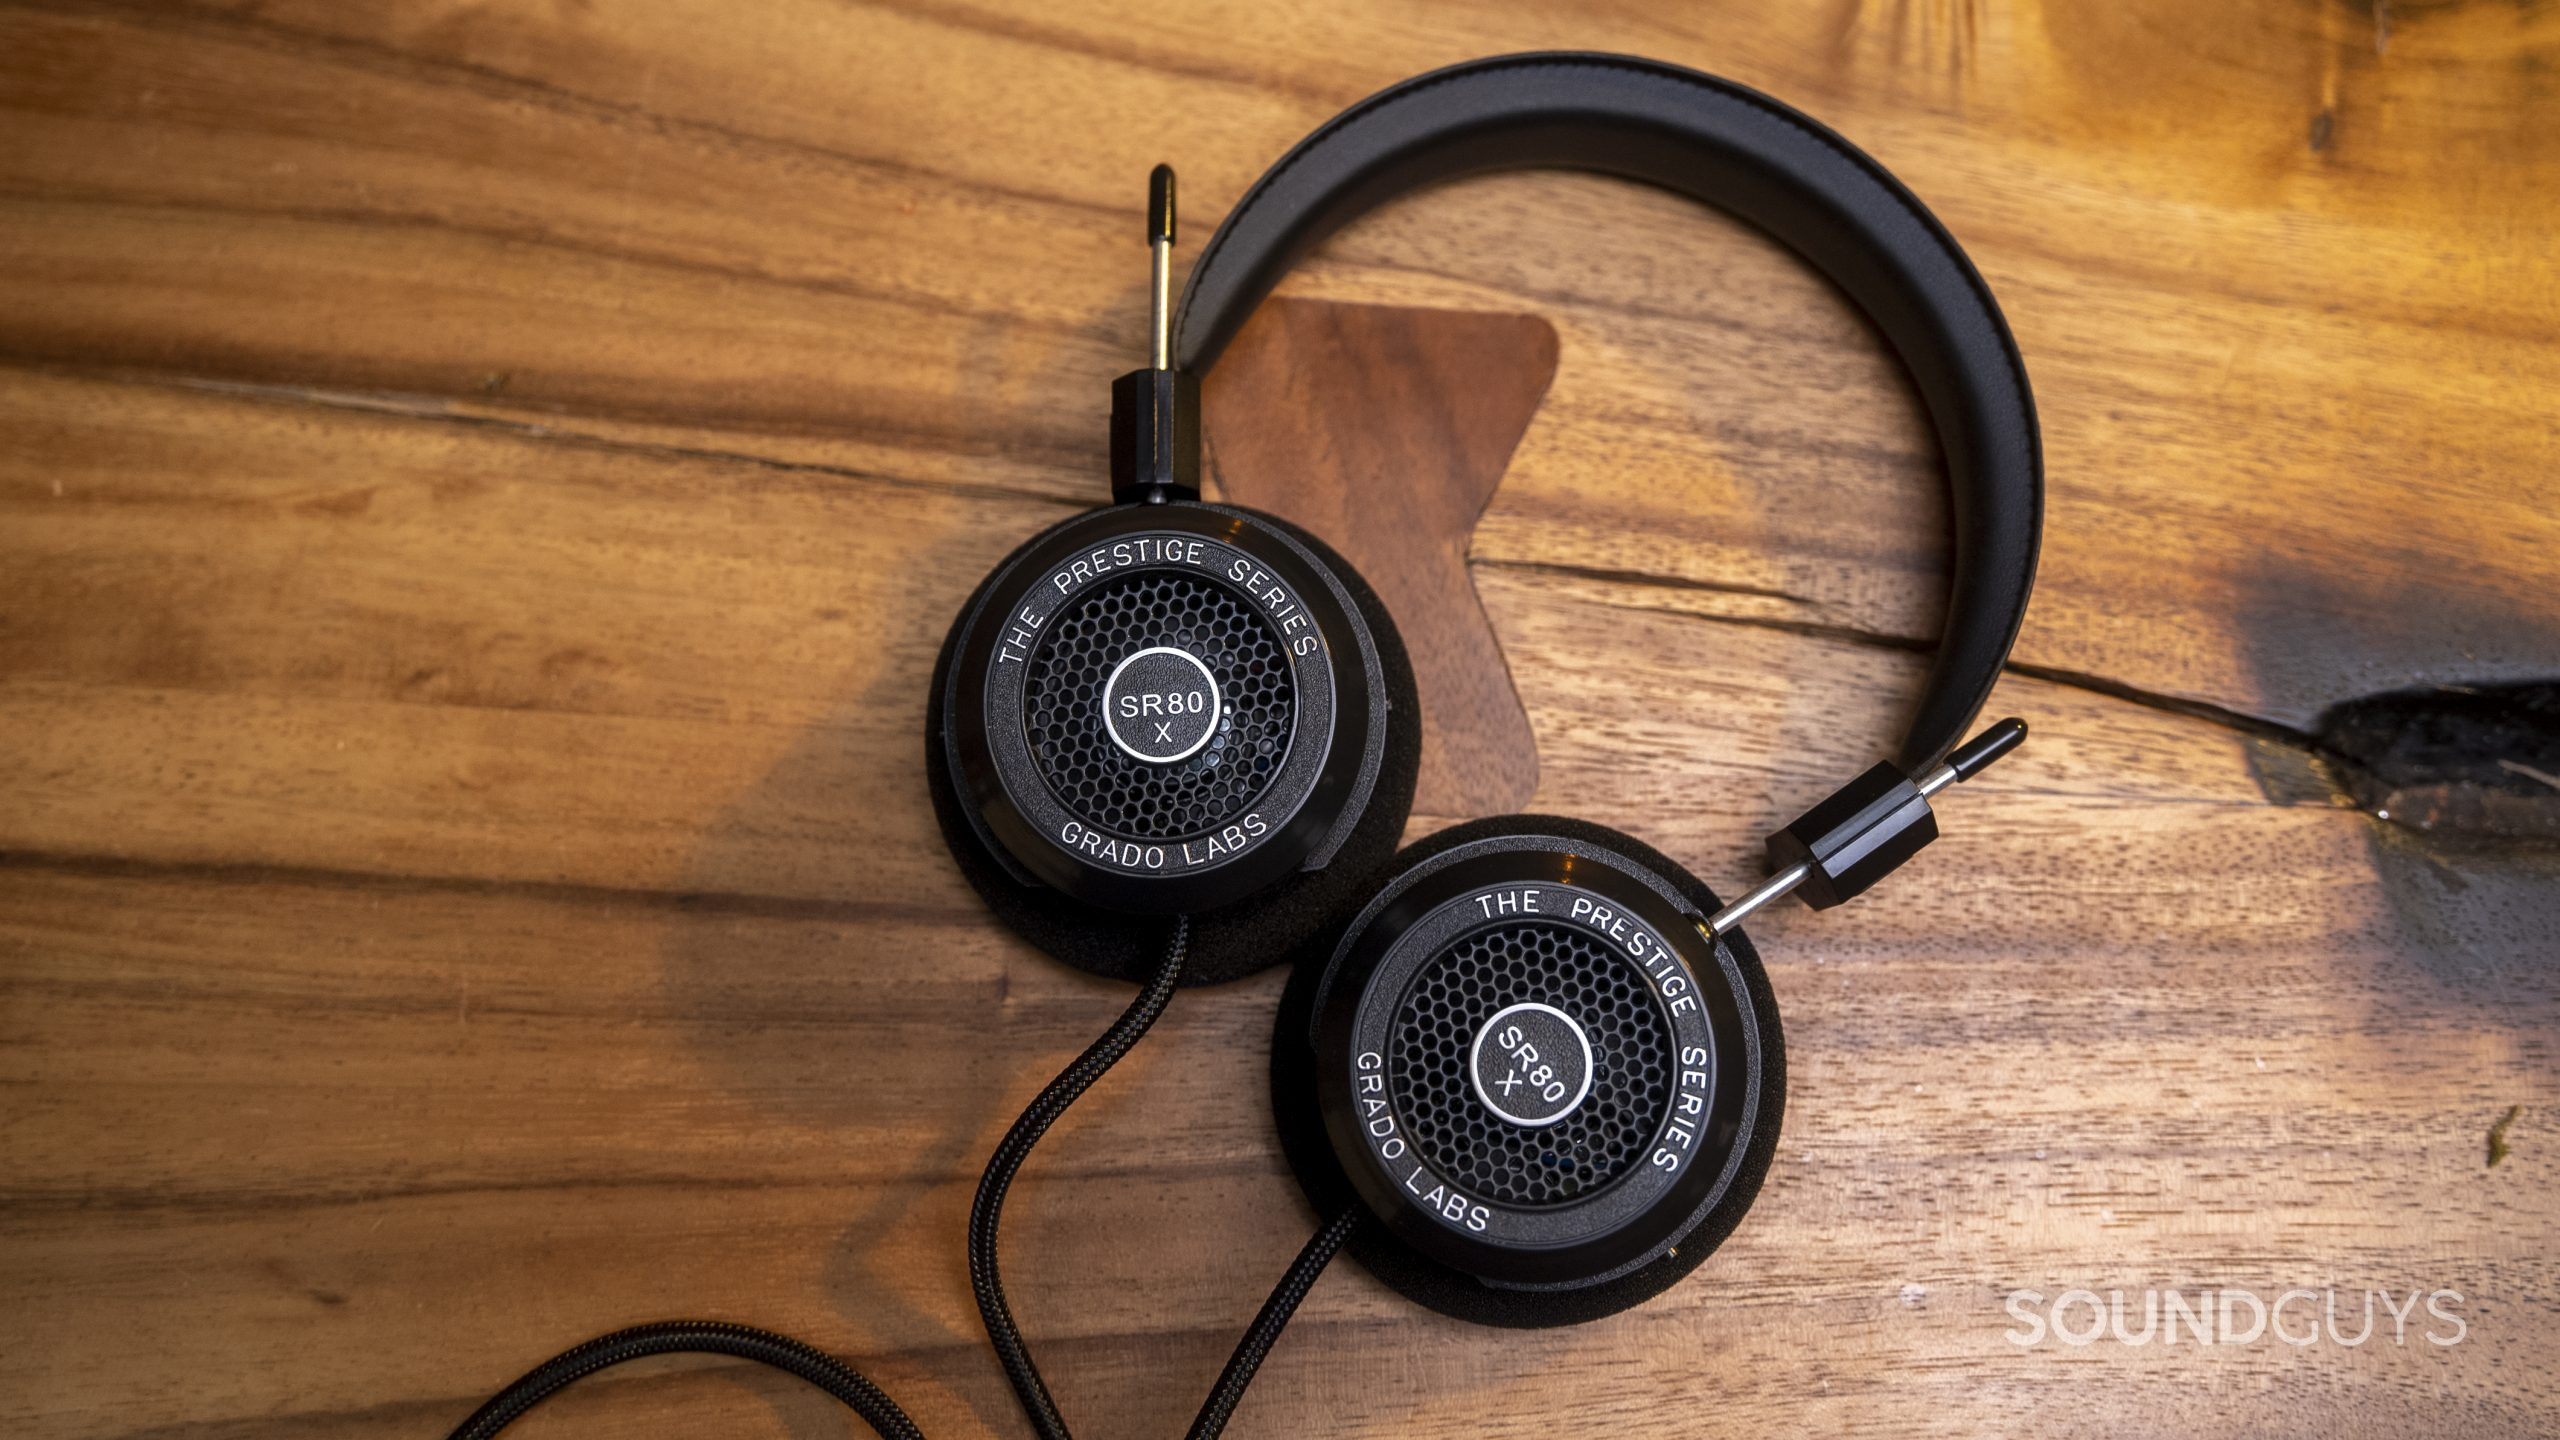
{"x":1764,"y":162}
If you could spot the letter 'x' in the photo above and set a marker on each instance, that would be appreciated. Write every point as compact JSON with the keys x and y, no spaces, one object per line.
{"x":1164,"y":731}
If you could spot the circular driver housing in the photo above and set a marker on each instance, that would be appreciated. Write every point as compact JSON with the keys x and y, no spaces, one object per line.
{"x":1164,"y":709}
{"x":1527,"y":1059}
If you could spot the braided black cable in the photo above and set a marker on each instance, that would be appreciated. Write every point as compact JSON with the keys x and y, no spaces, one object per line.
{"x":848,"y":1384}
{"x":987,"y":1211}
{"x":706,"y":1337}
{"x":1265,"y":1330}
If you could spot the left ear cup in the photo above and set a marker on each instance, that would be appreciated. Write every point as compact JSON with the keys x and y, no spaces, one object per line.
{"x":1524,"y":1057}
{"x":1080,"y":845}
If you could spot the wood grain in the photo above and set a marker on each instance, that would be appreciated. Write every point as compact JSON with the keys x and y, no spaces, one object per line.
{"x":1388,"y":428}
{"x":480,"y":488}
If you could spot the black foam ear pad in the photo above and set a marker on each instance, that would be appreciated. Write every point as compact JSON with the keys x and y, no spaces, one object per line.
{"x":1444,"y":1287}
{"x":1230,"y":941}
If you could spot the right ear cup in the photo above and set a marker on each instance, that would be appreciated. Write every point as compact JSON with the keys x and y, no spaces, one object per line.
{"x":1262,"y":770}
{"x":1527,"y":1060}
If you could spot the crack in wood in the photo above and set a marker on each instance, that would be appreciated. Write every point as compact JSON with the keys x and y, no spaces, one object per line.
{"x":2465,"y":760}
{"x":434,"y":410}
{"x":2462,"y":760}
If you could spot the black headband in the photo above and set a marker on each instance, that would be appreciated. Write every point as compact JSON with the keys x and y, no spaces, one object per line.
{"x":1742,"y":152}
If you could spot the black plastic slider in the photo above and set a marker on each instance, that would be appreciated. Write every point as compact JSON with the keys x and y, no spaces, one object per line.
{"x":1841,"y":847}
{"x":1857,"y":837}
{"x":1155,"y":412}
{"x":1155,"y":437}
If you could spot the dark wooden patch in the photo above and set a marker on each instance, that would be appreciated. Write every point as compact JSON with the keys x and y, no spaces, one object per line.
{"x":1386,"y":429}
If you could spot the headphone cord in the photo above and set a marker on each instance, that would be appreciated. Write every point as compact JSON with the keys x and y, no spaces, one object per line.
{"x":1265,"y":1330}
{"x":703,"y":1337}
{"x":714,"y":1337}
{"x":987,"y":1211}
{"x":781,"y":1352}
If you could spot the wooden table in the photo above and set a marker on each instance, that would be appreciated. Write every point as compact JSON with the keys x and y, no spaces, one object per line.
{"x":483,"y":485}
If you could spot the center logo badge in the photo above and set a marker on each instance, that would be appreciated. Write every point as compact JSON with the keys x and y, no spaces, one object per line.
{"x":1531,"y":1065}
{"x":1161,"y":705}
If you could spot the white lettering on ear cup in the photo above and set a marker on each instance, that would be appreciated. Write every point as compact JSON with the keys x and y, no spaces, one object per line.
{"x":1161,"y":705}
{"x":1531,"y":1064}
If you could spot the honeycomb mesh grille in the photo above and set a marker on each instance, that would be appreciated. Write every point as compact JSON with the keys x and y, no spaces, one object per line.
{"x":1452,"y":996}
{"x":1105,"y":786}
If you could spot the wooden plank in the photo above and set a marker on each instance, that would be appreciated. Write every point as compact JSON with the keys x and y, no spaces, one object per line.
{"x":2329,"y":380}
{"x":1388,"y":428}
{"x":377,"y":1071}
{"x":483,"y":485}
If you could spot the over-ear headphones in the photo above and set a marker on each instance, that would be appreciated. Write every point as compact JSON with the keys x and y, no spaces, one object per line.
{"x":1529,"y":1069}
{"x":1166,"y":706}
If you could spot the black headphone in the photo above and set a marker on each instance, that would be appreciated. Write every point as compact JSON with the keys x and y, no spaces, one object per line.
{"x":1169,"y":707}
{"x":1529,"y":1069}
